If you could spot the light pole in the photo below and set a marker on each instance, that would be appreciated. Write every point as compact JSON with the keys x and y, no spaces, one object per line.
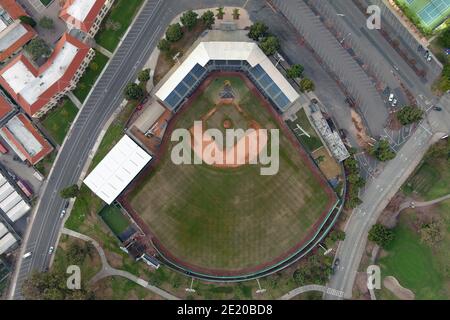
{"x":343,"y":39}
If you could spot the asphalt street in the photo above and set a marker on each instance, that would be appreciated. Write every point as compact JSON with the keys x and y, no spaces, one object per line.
{"x":104,"y":99}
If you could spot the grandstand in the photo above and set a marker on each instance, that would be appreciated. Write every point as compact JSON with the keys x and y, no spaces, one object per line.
{"x":227,"y":56}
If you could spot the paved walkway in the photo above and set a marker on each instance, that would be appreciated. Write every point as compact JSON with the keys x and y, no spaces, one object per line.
{"x":103,"y":50}
{"x":108,"y":271}
{"x":309,"y":288}
{"x":74,"y":99}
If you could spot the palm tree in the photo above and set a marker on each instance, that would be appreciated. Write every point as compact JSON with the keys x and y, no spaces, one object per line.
{"x":220,"y":13}
{"x":236,"y":14}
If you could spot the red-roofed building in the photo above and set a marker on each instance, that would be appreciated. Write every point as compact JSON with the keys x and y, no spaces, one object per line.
{"x":85,"y":15}
{"x":25,"y":139}
{"x":6,"y":106}
{"x":37,"y":90}
{"x":13,"y":34}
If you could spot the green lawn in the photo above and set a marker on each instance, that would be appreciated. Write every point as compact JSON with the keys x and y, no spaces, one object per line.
{"x":415,"y":265}
{"x":58,"y":121}
{"x":87,"y":81}
{"x":115,"y":219}
{"x":432,"y":179}
{"x":313,"y":142}
{"x":230,"y":218}
{"x":122,"y":14}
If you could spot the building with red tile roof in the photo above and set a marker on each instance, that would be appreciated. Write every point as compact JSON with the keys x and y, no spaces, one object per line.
{"x":85,"y":15}
{"x":26,"y":141}
{"x":37,"y":90}
{"x":6,"y":106}
{"x":13,"y":34}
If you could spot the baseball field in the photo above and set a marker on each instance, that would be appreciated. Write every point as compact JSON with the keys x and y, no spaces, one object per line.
{"x":230,"y":220}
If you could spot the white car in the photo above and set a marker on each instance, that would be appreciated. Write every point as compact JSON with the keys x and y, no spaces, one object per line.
{"x":394,"y":102}
{"x":26,"y":255}
{"x":63,"y":212}
{"x":391,"y":97}
{"x":50,"y":250}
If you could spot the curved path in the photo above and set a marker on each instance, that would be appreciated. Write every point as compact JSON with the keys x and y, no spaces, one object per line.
{"x":108,"y":271}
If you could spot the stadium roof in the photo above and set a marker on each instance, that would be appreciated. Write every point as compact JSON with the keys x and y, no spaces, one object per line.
{"x":227,"y":50}
{"x":119,"y":167}
{"x":81,"y":13}
{"x":33,"y":87}
{"x":25,"y":139}
{"x":3,"y":230}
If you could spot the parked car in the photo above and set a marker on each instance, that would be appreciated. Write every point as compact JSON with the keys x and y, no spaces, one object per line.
{"x":26,"y":255}
{"x":63,"y":213}
{"x":50,"y":250}
{"x":391,"y":97}
{"x":394,"y":102}
{"x":437,"y":108}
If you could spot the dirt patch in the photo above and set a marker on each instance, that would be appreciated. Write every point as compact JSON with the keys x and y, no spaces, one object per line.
{"x":390,"y":213}
{"x":329,"y":166}
{"x":393,"y":123}
{"x":360,"y":288}
{"x":392,"y":284}
{"x":362,"y":137}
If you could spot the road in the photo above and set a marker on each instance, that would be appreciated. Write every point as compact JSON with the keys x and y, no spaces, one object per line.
{"x":104,"y":99}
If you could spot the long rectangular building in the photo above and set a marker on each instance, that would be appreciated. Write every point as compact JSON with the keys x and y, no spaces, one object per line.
{"x":11,"y":202}
{"x":37,"y":90}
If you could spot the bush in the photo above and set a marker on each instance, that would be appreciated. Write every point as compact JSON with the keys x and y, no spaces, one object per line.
{"x":236,"y":14}
{"x":257,"y":31}
{"x":164,"y":45}
{"x":270,"y":45}
{"x":46,"y":23}
{"x":295,"y":71}
{"x":37,"y":48}
{"x":316,"y":270}
{"x":220,"y":13}
{"x":189,"y":19}
{"x":444,"y":38}
{"x":70,"y":192}
{"x":409,"y":114}
{"x":208,"y":19}
{"x":28,"y":20}
{"x":134,"y":92}
{"x":381,"y":235}
{"x":382,"y":151}
{"x":144,"y":75}
{"x":307,"y":85}
{"x":174,"y":32}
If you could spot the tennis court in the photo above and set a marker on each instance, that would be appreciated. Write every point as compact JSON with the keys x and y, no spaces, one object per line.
{"x":431,"y":12}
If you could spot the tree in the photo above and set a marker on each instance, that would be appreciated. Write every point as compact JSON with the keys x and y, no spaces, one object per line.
{"x":189,"y":19}
{"x":315,"y":270}
{"x":431,"y":233}
{"x":444,"y":38}
{"x":144,"y":75}
{"x":174,"y":32}
{"x":27,"y":20}
{"x":409,"y":114}
{"x":220,"y":13}
{"x":208,"y":19}
{"x":133,"y":92}
{"x":307,"y":85}
{"x":164,"y":45}
{"x":320,"y":159}
{"x":46,"y":23}
{"x":381,"y":235}
{"x":270,"y":45}
{"x":295,"y":71}
{"x":236,"y":14}
{"x":382,"y":151}
{"x":257,"y":31}
{"x":37,"y":48}
{"x":70,"y":192}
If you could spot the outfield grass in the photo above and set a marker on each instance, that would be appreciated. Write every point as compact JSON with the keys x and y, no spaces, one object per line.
{"x":58,"y":121}
{"x":122,"y":14}
{"x":417,"y":266}
{"x":230,"y":218}
{"x":87,"y":81}
{"x":313,"y":142}
{"x":115,"y":219}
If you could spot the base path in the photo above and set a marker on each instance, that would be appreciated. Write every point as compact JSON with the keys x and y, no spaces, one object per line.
{"x":108,"y":271}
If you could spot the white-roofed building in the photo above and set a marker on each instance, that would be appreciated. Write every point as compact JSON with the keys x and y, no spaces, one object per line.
{"x":11,"y":202}
{"x":85,"y":15}
{"x":37,"y":90}
{"x":119,"y":167}
{"x":7,"y":242}
{"x":3,"y":230}
{"x":228,"y":56}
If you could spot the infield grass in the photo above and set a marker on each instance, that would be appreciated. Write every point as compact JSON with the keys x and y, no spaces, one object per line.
{"x":233,"y":218}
